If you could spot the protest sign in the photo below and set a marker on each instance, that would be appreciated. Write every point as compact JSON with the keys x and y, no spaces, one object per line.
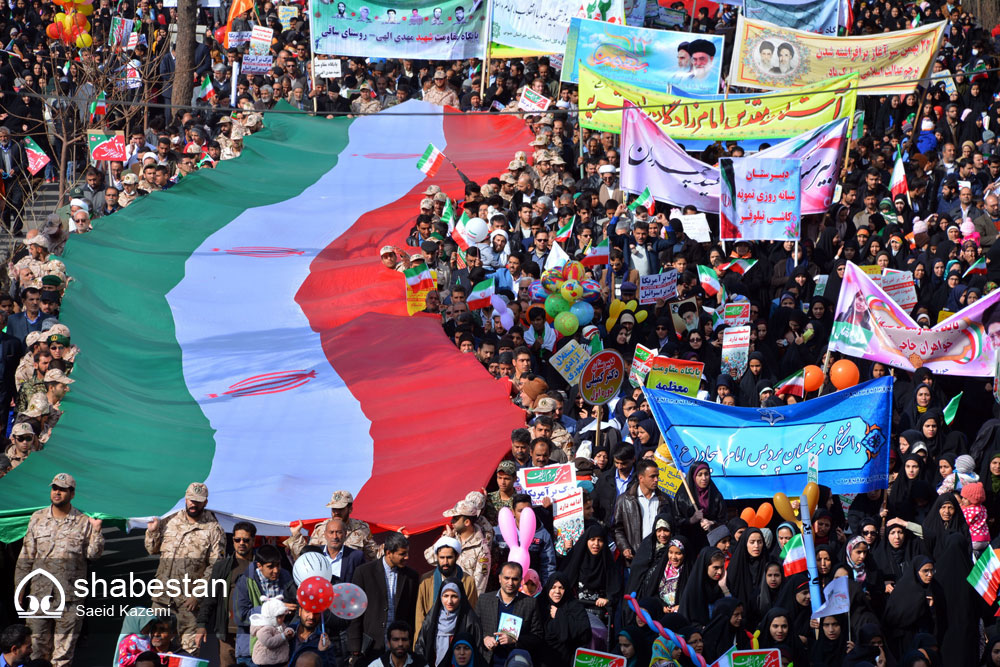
{"x":635,"y":12}
{"x":586,"y":657}
{"x":120,"y":30}
{"x":869,"y":324}
{"x":447,"y":30}
{"x":643,"y":57}
{"x":569,"y":360}
{"x":816,"y":16}
{"x":239,"y":38}
{"x":602,"y":377}
{"x":670,"y":477}
{"x":743,"y":447}
{"x":543,"y":27}
{"x":286,"y":13}
{"x":690,"y":117}
{"x":900,"y":287}
{"x":772,"y":57}
{"x":685,"y":315}
{"x":657,"y":286}
{"x":836,"y":599}
{"x":548,"y":482}
{"x":256,"y":64}
{"x":765,"y":657}
{"x":655,"y":161}
{"x":735,"y":350}
{"x":642,"y":361}
{"x":874,"y":272}
{"x":260,"y":40}
{"x":37,"y":159}
{"x":532,"y":101}
{"x":759,"y":199}
{"x":736,"y":314}
{"x":821,"y":282}
{"x":567,"y":520}
{"x":327,"y":69}
{"x":676,"y":375}
{"x":106,"y":145}
{"x":665,"y":17}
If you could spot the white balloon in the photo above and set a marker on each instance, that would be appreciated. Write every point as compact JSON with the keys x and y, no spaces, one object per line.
{"x":476,"y":229}
{"x":311,"y":564}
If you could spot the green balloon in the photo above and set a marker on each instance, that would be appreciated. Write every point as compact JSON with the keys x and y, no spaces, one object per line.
{"x":566,"y":323}
{"x":555,"y":304}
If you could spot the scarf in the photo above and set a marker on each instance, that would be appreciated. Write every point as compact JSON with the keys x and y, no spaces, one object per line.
{"x":859,"y":570}
{"x":447,"y":620}
{"x":701,"y":495}
{"x":994,"y":480}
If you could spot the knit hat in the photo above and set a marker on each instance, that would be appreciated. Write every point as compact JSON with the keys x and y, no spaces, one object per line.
{"x":974,"y":493}
{"x":534,"y":388}
{"x":965,"y":464}
{"x":718,"y":533}
{"x":967,"y":227}
{"x":919,"y":226}
{"x":269,"y":612}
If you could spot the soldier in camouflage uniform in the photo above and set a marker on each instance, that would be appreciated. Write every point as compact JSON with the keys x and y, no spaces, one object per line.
{"x":35,"y":341}
{"x":359,"y":535}
{"x":35,"y":383}
{"x":547,"y":179}
{"x":22,"y":443}
{"x":189,"y":542}
{"x":59,"y":541}
{"x":39,"y":408}
{"x":475,"y":557}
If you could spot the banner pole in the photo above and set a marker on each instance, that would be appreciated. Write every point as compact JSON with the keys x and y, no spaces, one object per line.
{"x":486,"y":55}
{"x":795,"y":254}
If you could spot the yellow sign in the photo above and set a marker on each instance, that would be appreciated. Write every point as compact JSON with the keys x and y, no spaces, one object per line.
{"x":670,"y":477}
{"x":772,"y":57}
{"x":417,"y":301}
{"x":759,"y":117}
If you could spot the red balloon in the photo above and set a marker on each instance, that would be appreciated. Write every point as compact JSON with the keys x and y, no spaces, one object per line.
{"x":844,"y":374}
{"x":315,"y":594}
{"x":220,"y":34}
{"x":53,"y":30}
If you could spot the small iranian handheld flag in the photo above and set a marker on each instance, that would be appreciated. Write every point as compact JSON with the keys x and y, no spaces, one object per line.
{"x":598,"y":254}
{"x":985,"y":576}
{"x":563,"y":234}
{"x":37,"y":159}
{"x":431,"y":160}
{"x":794,"y":384}
{"x":897,"y":184}
{"x":448,"y":214}
{"x":951,"y":409}
{"x":174,"y":660}
{"x":419,"y":278}
{"x":645,"y":199}
{"x":709,"y":281}
{"x":793,"y":556}
{"x":206,"y":90}
{"x":978,"y":268}
{"x":458,"y":233}
{"x":481,"y":293}
{"x":98,"y":107}
{"x":740,"y":266}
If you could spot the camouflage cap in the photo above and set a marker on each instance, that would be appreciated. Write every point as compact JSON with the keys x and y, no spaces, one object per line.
{"x":462,"y":508}
{"x":65,"y":480}
{"x":197,"y":492}
{"x":539,"y":142}
{"x":426,"y":203}
{"x":545,"y":405}
{"x":340,"y":499}
{"x":38,"y":240}
{"x":33,"y":338}
{"x":59,"y":328}
{"x":56,"y":375}
{"x":478,"y":499}
{"x":24,"y":428}
{"x":38,"y":405}
{"x":507,"y":467}
{"x":514,"y":165}
{"x":507,"y":178}
{"x":441,"y":197}
{"x":432,"y":190}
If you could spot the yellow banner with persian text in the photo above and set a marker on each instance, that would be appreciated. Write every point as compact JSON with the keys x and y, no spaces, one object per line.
{"x":772,"y":57}
{"x":758,"y":117}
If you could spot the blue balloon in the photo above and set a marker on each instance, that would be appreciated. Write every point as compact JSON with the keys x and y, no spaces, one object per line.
{"x":583,"y":311}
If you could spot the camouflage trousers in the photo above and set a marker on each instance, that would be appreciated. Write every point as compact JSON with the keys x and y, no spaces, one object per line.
{"x":55,"y":639}
{"x":187,"y":622}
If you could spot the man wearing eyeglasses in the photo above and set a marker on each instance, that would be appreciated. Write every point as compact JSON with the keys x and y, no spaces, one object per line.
{"x":214,"y":614}
{"x":60,"y":540}
{"x":23,"y":442}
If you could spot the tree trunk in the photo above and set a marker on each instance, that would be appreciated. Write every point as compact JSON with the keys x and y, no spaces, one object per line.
{"x":183,"y":86}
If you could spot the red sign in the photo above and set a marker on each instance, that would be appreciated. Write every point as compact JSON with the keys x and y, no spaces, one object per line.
{"x":602,"y":377}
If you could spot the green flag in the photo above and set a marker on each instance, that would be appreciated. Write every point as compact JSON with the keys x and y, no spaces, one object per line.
{"x":952,"y":408}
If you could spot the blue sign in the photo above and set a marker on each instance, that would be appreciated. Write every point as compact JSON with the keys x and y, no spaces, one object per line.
{"x":819,"y":16}
{"x":643,"y":57}
{"x":757,"y":452}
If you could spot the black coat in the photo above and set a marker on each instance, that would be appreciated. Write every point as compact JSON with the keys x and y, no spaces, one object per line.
{"x":371,"y":578}
{"x":488,"y":610}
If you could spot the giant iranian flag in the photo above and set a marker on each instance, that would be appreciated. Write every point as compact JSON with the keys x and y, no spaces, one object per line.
{"x":239,"y":329}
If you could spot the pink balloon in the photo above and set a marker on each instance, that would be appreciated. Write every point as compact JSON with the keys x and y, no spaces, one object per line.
{"x":518,"y":538}
{"x":508,"y":525}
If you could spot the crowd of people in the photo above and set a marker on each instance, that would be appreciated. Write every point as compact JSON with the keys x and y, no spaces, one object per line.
{"x":692,"y":565}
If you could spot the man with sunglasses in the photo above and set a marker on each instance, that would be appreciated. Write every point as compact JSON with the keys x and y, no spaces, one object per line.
{"x":60,"y":540}
{"x":22,"y":443}
{"x":214,"y":613}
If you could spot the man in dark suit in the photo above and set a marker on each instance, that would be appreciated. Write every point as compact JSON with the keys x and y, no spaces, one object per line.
{"x":344,"y":560}
{"x":13,"y":165}
{"x":391,"y":588}
{"x":614,"y":482}
{"x":11,"y":351}
{"x":508,"y":600}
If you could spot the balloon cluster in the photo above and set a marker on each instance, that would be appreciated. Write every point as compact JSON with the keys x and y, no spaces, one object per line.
{"x":500,"y":308}
{"x":665,"y":632}
{"x":843,"y":374}
{"x":72,"y":26}
{"x":567,"y":295}
{"x":760,"y":518}
{"x":793,"y":514}
{"x":317,"y":594}
{"x":618,"y":307}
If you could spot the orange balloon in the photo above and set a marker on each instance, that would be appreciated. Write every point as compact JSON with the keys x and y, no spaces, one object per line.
{"x":813,"y":378}
{"x":764,"y":514}
{"x":811,"y":493}
{"x":53,"y":30}
{"x":749,"y":516}
{"x":844,"y":374}
{"x":785,"y":509}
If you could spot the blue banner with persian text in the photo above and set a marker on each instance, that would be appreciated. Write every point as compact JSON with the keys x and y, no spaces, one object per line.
{"x":819,"y":16}
{"x":757,"y":452}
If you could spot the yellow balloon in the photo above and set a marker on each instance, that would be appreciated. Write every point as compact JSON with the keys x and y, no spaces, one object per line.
{"x":68,"y":23}
{"x":87,"y":26}
{"x":784,"y":508}
{"x":59,"y":17}
{"x":86,"y":10}
{"x":811,"y":493}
